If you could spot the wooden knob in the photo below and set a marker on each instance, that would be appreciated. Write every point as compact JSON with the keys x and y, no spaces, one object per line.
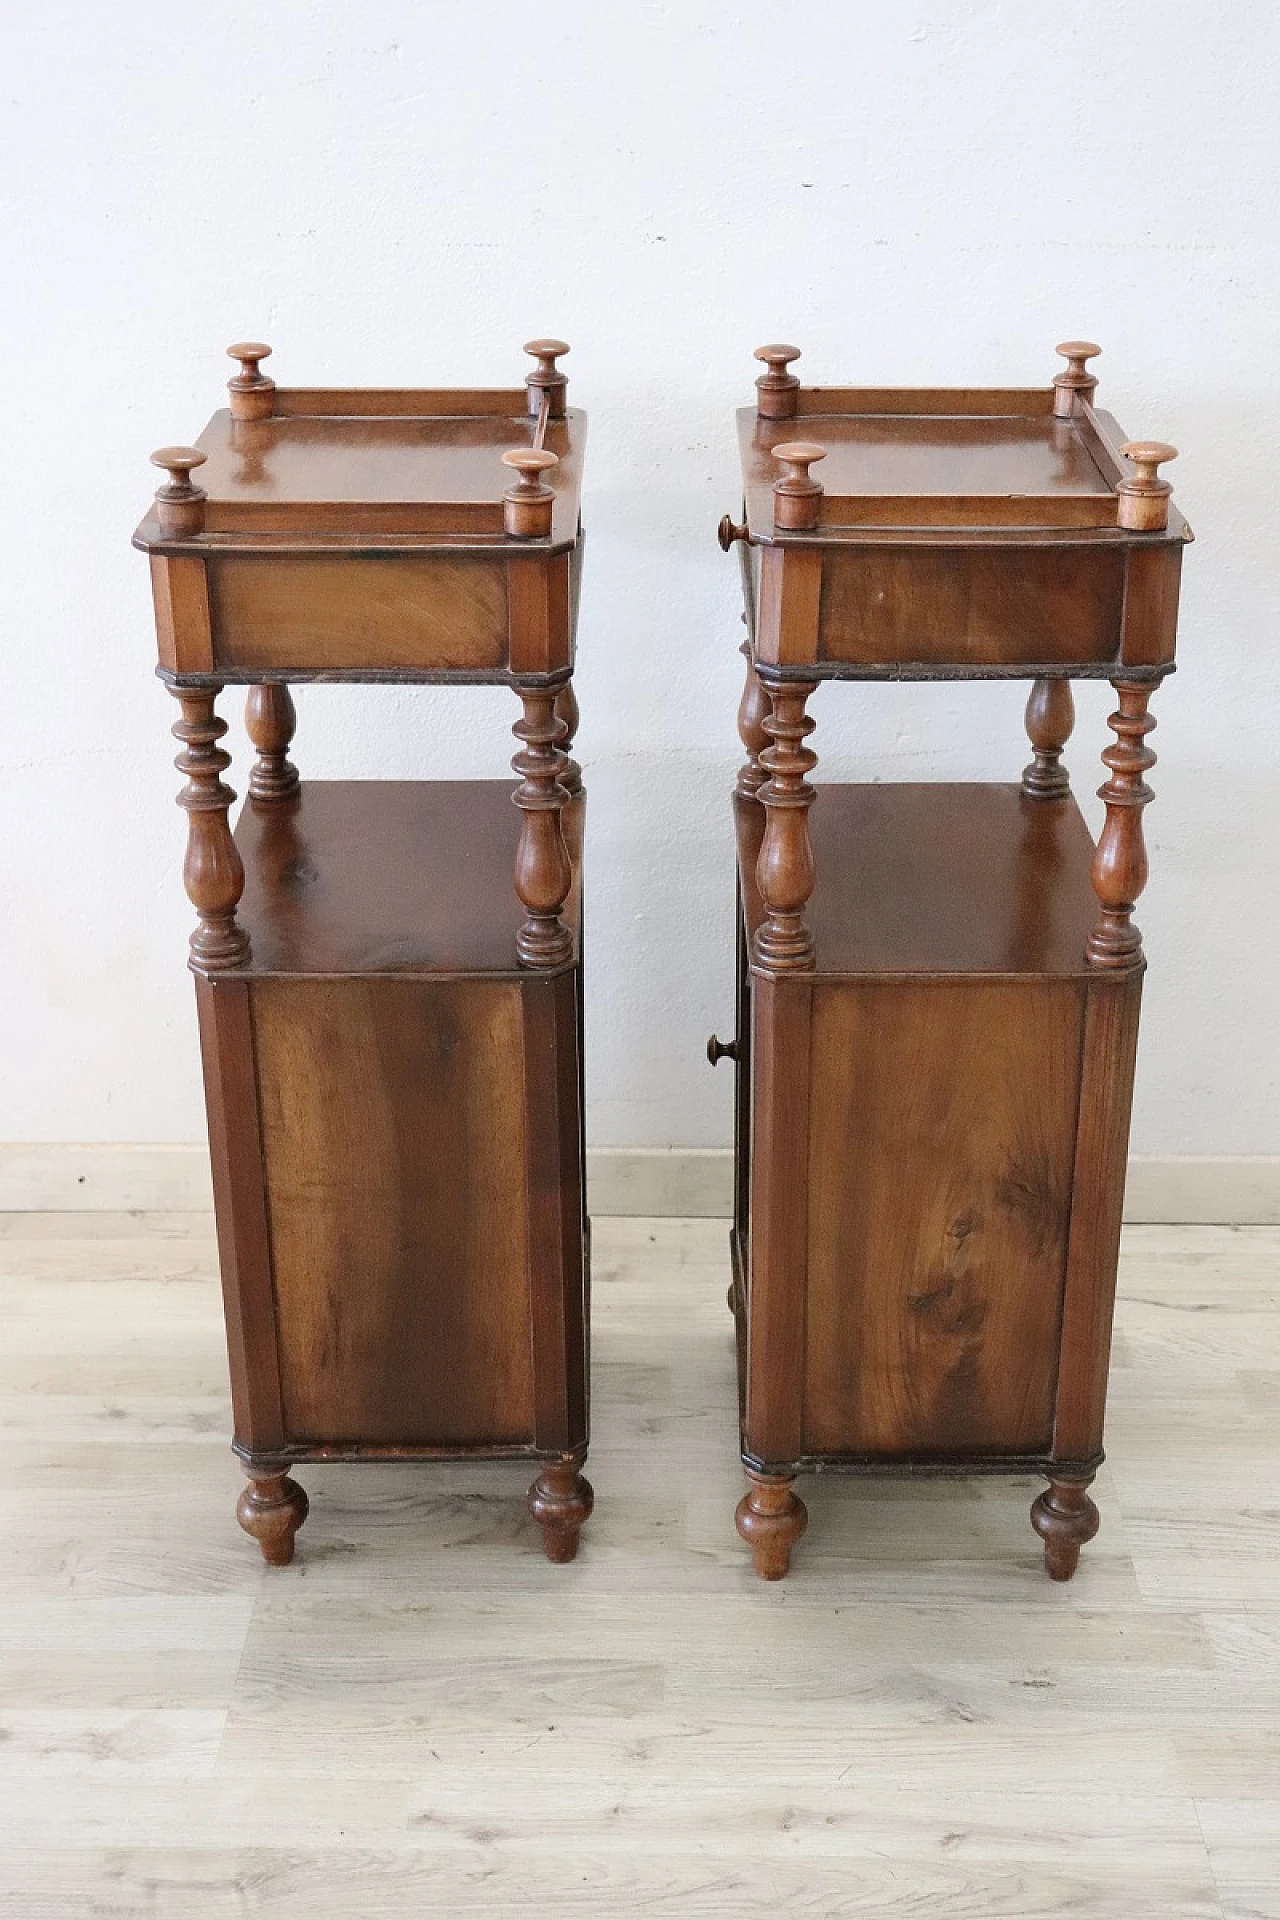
{"x":777,"y":390}
{"x":252,"y":391}
{"x":180,"y":504}
{"x":797,"y":494}
{"x":547,"y":377}
{"x":1075,"y":377}
{"x":528,"y":505}
{"x":1144,"y":496}
{"x":718,"y":1050}
{"x":728,"y":531}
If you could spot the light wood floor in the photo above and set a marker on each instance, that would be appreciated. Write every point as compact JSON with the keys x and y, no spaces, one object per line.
{"x":423,"y":1717}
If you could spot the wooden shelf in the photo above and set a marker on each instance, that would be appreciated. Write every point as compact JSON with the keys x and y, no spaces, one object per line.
{"x":939,"y":879}
{"x":388,"y":877}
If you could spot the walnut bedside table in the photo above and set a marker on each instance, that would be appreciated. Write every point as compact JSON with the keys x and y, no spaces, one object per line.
{"x":388,"y":973}
{"x":938,"y":985}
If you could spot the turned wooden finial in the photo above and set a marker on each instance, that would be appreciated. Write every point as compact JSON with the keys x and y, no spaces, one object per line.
{"x":180,"y":505}
{"x":1144,"y":496}
{"x":1075,"y":377}
{"x":777,"y":391}
{"x":547,"y":377}
{"x":1120,"y":858}
{"x":252,"y":391}
{"x":527,"y":506}
{"x":797,"y":495}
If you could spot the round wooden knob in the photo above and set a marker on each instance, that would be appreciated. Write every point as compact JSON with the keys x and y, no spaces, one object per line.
{"x":776,"y":389}
{"x":797,"y":494}
{"x":728,"y":531}
{"x":528,"y":463}
{"x":180,"y":504}
{"x":527,"y":506}
{"x":718,"y":1050}
{"x":547,"y":377}
{"x":252,"y":391}
{"x":178,"y":463}
{"x":1075,"y":377}
{"x":1144,"y":496}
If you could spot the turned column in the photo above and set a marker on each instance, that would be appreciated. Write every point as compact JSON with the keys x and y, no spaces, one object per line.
{"x":1066,"y":1519}
{"x":212,"y":872}
{"x":753,"y":712}
{"x":543,"y":873}
{"x":784,"y":871}
{"x":271,"y":1509}
{"x":271,"y":718}
{"x":561,"y":1500}
{"x":567,"y":710}
{"x":1120,"y":860}
{"x":1051,"y":714}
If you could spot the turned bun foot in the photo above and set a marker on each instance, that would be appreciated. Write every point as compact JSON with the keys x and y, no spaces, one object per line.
{"x":561,"y":1500}
{"x":272,"y":1508}
{"x":1065,"y":1518}
{"x":770,"y":1518}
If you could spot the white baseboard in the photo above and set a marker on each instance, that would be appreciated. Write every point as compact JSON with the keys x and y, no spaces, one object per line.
{"x":1239,"y":1190}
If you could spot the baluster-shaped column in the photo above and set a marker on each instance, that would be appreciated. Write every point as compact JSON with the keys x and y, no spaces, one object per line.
{"x":784,"y":871}
{"x":1120,"y":861}
{"x":567,"y":710}
{"x":271,"y":718}
{"x":543,"y":873}
{"x":753,"y":712}
{"x":212,"y":872}
{"x":1051,"y":714}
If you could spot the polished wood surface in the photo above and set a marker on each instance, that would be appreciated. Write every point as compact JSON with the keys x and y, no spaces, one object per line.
{"x":389,"y":877}
{"x":938,"y":985}
{"x":942,"y":1138}
{"x":426,"y":1718}
{"x":939,"y":878}
{"x":323,"y":611}
{"x":392,"y":1120}
{"x":387,"y":974}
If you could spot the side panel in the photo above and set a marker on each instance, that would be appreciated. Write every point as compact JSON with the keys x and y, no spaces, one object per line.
{"x":239,"y":1198}
{"x":317,"y":612}
{"x":1110,"y":1052}
{"x":957,"y":606}
{"x":942,"y":1139}
{"x":780,"y":1052}
{"x":393,"y":1130}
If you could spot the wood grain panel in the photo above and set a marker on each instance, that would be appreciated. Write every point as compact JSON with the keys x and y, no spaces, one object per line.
{"x":966,"y":606}
{"x":327,"y":612}
{"x":392,"y":1124}
{"x":942,"y":1138}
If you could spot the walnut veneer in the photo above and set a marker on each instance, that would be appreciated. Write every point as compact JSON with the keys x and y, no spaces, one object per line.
{"x":938,"y":985}
{"x":388,"y":974}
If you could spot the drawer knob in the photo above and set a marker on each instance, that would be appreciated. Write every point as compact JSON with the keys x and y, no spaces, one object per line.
{"x":718,"y":1050}
{"x":728,"y":531}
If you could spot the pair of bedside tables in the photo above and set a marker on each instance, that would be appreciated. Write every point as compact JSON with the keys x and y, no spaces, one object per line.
{"x":938,"y":986}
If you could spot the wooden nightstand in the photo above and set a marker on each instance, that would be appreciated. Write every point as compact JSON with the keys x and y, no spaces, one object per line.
{"x":938,"y":986}
{"x":388,"y":974}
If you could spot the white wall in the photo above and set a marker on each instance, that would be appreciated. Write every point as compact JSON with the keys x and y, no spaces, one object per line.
{"x":400,"y":192}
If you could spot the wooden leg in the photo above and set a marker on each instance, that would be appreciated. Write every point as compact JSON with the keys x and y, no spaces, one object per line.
{"x":271,"y":720}
{"x":1051,"y":714}
{"x":770,"y":1518}
{"x":543,"y":873}
{"x":561,"y":1500}
{"x":1065,"y":1518}
{"x":272,"y":1508}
